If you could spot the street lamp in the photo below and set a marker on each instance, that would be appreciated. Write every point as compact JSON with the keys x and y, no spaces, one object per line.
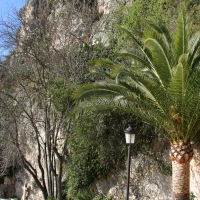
{"x":130,"y":139}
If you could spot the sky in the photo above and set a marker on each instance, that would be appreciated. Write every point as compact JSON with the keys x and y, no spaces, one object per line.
{"x":6,"y":8}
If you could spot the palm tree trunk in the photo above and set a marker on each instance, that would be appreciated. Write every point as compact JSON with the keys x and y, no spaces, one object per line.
{"x":181,"y":180}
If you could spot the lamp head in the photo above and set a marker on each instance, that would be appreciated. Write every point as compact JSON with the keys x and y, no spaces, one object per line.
{"x":129,"y":135}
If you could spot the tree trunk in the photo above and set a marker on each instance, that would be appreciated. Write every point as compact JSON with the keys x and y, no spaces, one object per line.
{"x":181,"y":180}
{"x":181,"y":153}
{"x":59,"y":179}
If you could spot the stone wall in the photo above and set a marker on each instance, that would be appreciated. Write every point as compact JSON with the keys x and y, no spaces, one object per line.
{"x":150,"y":176}
{"x":148,"y":179}
{"x":195,"y":174}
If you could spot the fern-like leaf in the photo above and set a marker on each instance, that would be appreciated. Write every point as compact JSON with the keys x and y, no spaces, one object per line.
{"x":181,"y":37}
{"x":160,"y":61}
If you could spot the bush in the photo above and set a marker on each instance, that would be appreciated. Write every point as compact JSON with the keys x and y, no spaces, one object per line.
{"x":97,"y":146}
{"x":51,"y":198}
{"x":102,"y":197}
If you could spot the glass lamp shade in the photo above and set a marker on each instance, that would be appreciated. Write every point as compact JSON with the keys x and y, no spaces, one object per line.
{"x":130,"y":138}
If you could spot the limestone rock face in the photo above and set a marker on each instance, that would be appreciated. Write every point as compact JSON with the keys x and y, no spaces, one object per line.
{"x":146,"y":181}
{"x":66,"y":25}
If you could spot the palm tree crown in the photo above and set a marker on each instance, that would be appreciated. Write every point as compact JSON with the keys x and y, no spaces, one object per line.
{"x":160,"y":83}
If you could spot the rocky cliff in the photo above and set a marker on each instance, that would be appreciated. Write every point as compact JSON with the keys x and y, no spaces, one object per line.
{"x":150,"y":175}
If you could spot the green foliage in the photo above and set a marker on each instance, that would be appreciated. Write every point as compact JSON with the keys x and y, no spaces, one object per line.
{"x":102,"y":197}
{"x":166,"y":168}
{"x":162,"y":95}
{"x":51,"y":198}
{"x":95,"y":149}
{"x":141,"y":12}
{"x":82,"y":194}
{"x":192,"y":196}
{"x":100,"y":50}
{"x":138,"y":15}
{"x":98,"y":147}
{"x":60,"y":92}
{"x":193,"y":15}
{"x":82,"y":55}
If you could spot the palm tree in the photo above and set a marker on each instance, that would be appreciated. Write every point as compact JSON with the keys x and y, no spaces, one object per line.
{"x":159,"y":83}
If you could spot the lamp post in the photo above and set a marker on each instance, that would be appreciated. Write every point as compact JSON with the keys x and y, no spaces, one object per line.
{"x":130,"y":139}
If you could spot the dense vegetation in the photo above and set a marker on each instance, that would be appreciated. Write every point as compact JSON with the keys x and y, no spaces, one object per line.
{"x":157,"y":81}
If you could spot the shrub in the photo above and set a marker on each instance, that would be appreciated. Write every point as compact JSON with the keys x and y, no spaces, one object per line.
{"x":97,"y":147}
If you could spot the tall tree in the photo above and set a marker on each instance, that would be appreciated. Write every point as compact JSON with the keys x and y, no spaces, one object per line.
{"x":158,"y":82}
{"x":35,"y":92}
{"x":34,"y":126}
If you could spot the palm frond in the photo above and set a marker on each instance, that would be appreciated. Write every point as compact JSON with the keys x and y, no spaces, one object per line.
{"x":116,"y":70}
{"x":160,"y":61}
{"x":194,"y":43}
{"x":129,"y":33}
{"x":151,"y":33}
{"x":103,"y":74}
{"x":162,"y":29}
{"x":144,"y":88}
{"x":195,"y":64}
{"x":96,"y":90}
{"x":193,"y":125}
{"x":102,"y":63}
{"x":179,"y":79}
{"x":137,"y":56}
{"x":151,"y":116}
{"x":181,"y":37}
{"x":163,"y":42}
{"x":158,"y":83}
{"x":142,"y":59}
